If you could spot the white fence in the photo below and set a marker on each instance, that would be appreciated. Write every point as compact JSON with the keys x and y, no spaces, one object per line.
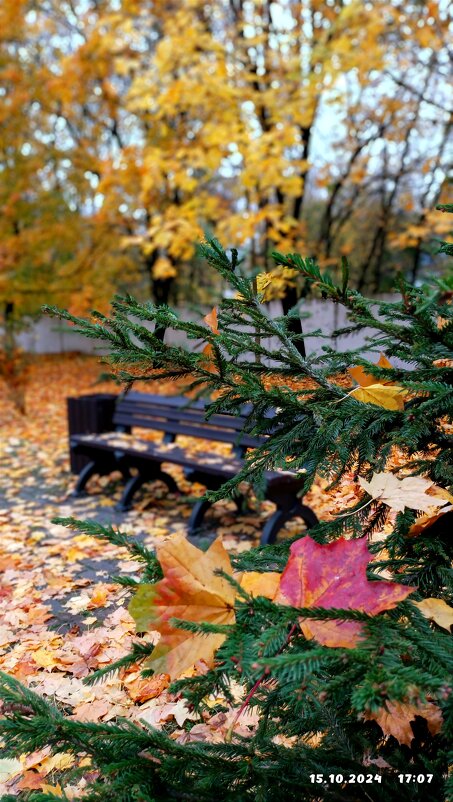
{"x":50,"y":336}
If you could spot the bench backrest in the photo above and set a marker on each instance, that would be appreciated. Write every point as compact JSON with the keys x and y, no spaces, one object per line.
{"x":175,"y":415}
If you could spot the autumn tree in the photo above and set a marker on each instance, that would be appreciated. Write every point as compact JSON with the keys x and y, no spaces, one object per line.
{"x":130,"y":128}
{"x":61,"y":236}
{"x":234,"y":100}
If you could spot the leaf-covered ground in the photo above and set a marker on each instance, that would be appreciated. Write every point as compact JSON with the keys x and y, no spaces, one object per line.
{"x":61,"y":616}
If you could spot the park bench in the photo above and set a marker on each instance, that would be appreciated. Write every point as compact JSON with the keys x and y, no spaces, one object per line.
{"x":174,"y":416}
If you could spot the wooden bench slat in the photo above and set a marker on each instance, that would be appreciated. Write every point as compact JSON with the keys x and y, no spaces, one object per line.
{"x":206,"y":431}
{"x":179,"y":414}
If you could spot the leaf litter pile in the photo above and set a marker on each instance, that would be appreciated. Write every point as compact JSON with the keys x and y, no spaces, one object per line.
{"x":61,"y":615}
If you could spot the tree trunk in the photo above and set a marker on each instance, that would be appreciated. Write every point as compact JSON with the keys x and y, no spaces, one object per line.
{"x":161,"y":293}
{"x":290,"y":300}
{"x":160,"y":290}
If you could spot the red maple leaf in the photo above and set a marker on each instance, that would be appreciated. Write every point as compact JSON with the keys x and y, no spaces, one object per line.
{"x":334,"y":575}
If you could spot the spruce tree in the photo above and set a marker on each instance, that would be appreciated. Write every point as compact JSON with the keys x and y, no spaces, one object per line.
{"x":319,"y":705}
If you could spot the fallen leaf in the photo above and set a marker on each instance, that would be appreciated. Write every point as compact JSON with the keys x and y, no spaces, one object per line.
{"x":159,"y":713}
{"x":208,"y":353}
{"x":9,"y":768}
{"x":334,"y":575}
{"x":53,"y":790}
{"x":381,"y":395}
{"x":91,"y":711}
{"x":98,"y":597}
{"x":57,"y":762}
{"x":31,"y":780}
{"x":140,"y":690}
{"x":211,"y":320}
{"x":395,"y":719}
{"x":190,"y":590}
{"x":401,"y":493}
{"x":437,"y":610}
{"x":425,"y":521}
{"x":365,"y":379}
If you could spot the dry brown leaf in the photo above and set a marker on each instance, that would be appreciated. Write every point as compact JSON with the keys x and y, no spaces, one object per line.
{"x":140,"y":690}
{"x":31,"y":780}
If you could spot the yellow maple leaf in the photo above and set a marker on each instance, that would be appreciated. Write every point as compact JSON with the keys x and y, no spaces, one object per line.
{"x":381,"y":395}
{"x":437,"y":610}
{"x":58,"y":762}
{"x":190,"y":590}
{"x":261,"y":584}
{"x":43,"y":657}
{"x":52,"y":790}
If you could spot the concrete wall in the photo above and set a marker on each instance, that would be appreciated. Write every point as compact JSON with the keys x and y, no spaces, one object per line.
{"x":49,"y":336}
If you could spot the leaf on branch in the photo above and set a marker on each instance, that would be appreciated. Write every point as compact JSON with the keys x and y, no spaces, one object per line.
{"x":211,"y":320}
{"x":395,"y":719}
{"x":261,"y":584}
{"x":191,"y":590}
{"x":365,"y":379}
{"x":381,"y":395}
{"x":437,"y":610}
{"x":334,"y":575}
{"x":208,"y":354}
{"x":400,"y":493}
{"x":425,"y":521}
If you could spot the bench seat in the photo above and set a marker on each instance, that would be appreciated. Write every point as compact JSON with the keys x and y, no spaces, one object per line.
{"x":123,"y":450}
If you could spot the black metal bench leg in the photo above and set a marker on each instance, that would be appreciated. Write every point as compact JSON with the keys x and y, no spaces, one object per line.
{"x":169,"y":481}
{"x":85,"y":474}
{"x":134,"y":484}
{"x":197,"y":515}
{"x":307,"y":515}
{"x":281,"y":516}
{"x":242,"y":505}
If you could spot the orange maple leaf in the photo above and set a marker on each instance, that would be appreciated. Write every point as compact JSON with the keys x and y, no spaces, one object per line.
{"x":365,"y":379}
{"x":334,"y":575}
{"x":209,"y":353}
{"x":395,"y":719}
{"x":191,"y":590}
{"x":211,"y":320}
